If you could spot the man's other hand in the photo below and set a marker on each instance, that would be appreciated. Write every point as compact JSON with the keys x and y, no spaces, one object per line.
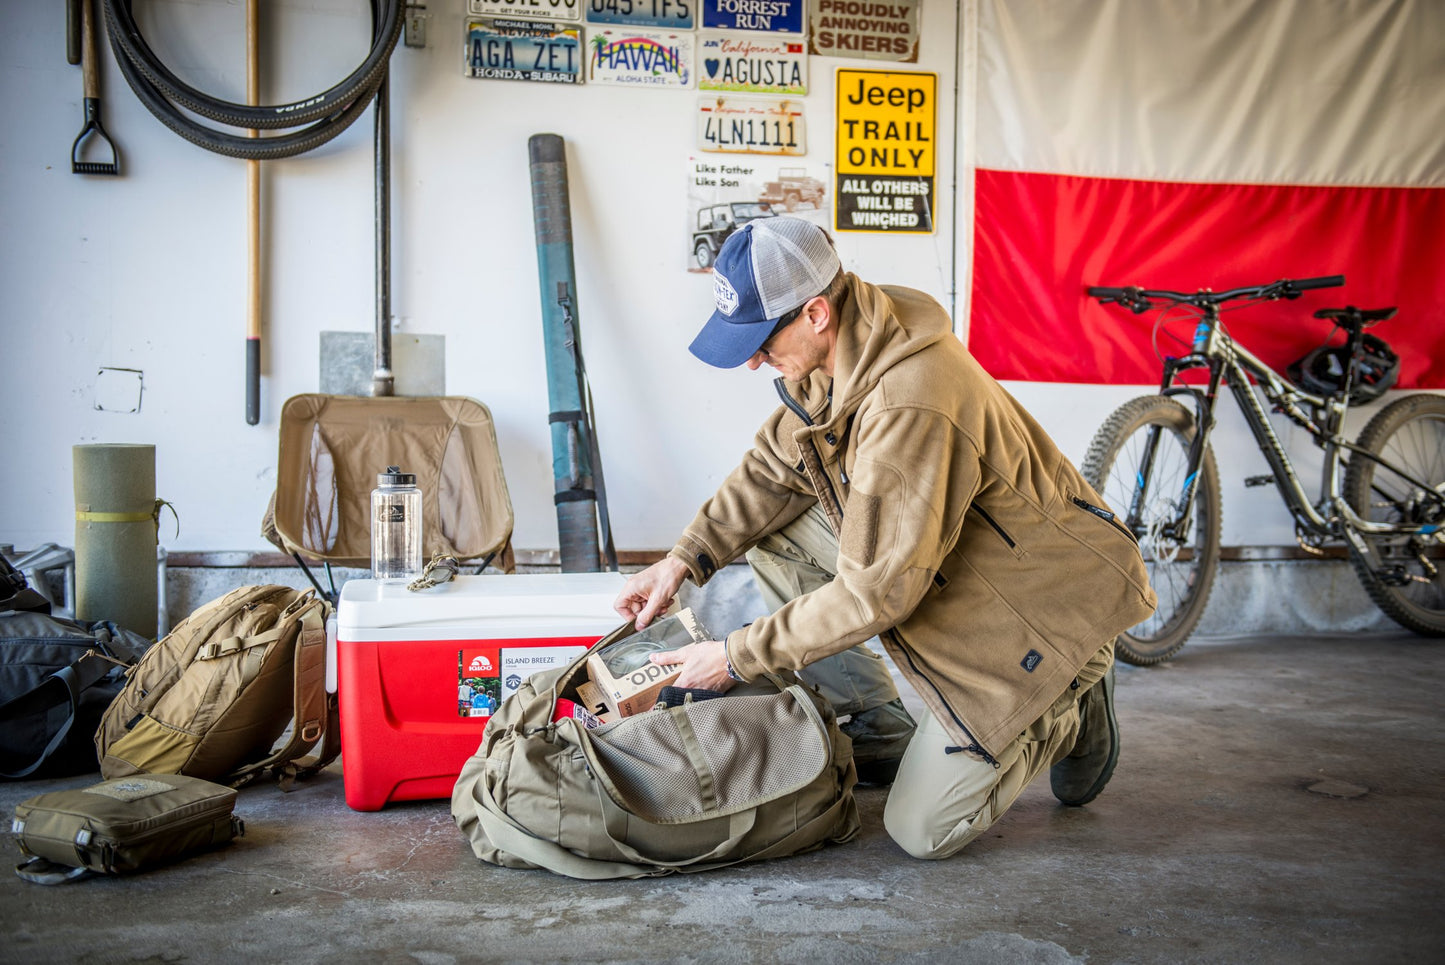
{"x":651,"y":592}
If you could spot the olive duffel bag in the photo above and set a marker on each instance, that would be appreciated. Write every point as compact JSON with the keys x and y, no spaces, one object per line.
{"x":759,"y":773}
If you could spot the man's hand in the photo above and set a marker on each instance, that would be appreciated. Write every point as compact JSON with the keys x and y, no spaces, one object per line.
{"x":651,"y":592}
{"x":704,"y":665}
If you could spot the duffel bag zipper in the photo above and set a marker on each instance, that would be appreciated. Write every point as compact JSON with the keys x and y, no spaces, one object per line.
{"x":109,"y":844}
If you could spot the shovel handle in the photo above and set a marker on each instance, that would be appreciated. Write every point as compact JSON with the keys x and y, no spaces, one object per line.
{"x":88,"y":68}
{"x":253,"y":230}
{"x":72,"y":31}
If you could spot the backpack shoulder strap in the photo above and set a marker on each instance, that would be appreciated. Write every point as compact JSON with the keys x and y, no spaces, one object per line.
{"x":316,"y":717}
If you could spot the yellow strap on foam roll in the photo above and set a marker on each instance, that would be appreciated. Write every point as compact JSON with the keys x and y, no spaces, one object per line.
{"x":113,"y":517}
{"x":86,"y":516}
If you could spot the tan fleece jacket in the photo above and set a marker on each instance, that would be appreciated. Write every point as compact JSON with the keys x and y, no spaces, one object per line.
{"x":991,"y":570}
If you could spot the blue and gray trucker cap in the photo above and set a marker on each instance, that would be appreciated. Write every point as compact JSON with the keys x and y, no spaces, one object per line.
{"x":765,"y":269}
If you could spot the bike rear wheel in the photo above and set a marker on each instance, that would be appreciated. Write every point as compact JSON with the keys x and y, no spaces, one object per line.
{"x":1181,"y":571}
{"x":1404,"y":575}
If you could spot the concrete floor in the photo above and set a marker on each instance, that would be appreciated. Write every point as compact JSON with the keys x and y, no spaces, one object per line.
{"x":1278,"y":799}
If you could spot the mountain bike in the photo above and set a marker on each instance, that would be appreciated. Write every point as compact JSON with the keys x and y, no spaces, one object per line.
{"x":1383,"y":494}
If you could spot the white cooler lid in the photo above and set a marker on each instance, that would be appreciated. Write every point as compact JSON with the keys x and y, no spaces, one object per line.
{"x":519,"y":601}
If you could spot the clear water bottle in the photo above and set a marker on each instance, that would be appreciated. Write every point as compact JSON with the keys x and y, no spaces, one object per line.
{"x":395,"y":527}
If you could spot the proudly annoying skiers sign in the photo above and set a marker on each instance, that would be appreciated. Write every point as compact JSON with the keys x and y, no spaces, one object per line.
{"x":885,"y":155}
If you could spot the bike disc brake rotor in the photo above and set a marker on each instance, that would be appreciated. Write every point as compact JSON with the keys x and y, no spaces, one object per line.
{"x":1163,"y":545}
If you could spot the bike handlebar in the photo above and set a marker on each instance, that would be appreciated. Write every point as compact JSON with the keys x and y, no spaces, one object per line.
{"x":1140,"y":300}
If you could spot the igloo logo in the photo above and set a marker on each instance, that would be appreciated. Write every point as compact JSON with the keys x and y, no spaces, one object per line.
{"x":480,"y":664}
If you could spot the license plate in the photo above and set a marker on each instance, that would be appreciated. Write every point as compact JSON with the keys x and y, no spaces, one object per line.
{"x":740,"y":125}
{"x":639,"y":58}
{"x":519,"y":50}
{"x":752,"y":63}
{"x":532,"y":9}
{"x":672,"y":14}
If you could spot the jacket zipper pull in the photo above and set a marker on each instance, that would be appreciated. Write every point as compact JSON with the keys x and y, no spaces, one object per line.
{"x":973,"y":749}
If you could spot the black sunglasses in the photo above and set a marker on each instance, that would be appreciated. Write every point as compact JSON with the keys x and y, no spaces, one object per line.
{"x":787,"y":319}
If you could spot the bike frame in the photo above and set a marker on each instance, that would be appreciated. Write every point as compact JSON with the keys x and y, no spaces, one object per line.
{"x":1230,"y":363}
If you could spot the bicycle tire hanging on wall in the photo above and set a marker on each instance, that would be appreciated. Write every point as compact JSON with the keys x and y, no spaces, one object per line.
{"x":332,"y":111}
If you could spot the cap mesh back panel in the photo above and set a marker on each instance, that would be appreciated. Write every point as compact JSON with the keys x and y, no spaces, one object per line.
{"x":792,"y":262}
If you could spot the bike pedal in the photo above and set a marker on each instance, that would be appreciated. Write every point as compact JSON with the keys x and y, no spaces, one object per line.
{"x":1258,"y":480}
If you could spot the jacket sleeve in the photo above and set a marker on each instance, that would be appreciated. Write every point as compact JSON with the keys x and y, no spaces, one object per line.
{"x":912,"y":480}
{"x":763,"y":494}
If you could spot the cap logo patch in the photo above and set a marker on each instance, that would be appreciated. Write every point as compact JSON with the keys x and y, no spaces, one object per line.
{"x":723,"y":293}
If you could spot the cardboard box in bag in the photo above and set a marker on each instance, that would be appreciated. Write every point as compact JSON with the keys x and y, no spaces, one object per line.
{"x":635,"y":690}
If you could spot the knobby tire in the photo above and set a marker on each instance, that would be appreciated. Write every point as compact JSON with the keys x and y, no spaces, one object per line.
{"x":1181,"y":575}
{"x":333,"y":111}
{"x":1409,"y":433}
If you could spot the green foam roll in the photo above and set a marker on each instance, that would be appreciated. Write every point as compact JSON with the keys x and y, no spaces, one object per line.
{"x":116,"y":534}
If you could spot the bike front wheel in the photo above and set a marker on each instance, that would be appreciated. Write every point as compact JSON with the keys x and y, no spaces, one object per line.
{"x":1181,"y":564}
{"x":1404,"y":574}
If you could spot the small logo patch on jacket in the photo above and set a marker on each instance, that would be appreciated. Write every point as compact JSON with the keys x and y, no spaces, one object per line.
{"x":1031,"y":660}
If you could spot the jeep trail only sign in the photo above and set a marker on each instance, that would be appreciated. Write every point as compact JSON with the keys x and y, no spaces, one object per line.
{"x":885,"y":157}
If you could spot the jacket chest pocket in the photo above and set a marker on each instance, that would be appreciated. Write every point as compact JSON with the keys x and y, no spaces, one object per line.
{"x":993,"y":524}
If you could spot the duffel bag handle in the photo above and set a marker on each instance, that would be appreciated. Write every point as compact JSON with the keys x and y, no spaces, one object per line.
{"x":40,"y":871}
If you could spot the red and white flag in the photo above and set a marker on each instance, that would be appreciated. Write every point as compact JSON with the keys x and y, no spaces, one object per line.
{"x":1184,"y":145}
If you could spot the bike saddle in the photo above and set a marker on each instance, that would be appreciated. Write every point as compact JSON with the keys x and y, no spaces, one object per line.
{"x":1365,"y":316}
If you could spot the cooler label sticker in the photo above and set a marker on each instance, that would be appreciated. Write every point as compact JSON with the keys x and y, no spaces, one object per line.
{"x":519,"y":663}
{"x":479,"y":684}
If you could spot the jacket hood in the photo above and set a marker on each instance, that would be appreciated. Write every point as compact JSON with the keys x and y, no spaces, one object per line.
{"x":873,"y":336}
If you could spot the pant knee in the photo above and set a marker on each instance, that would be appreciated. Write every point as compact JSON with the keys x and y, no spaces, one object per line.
{"x":928,"y":844}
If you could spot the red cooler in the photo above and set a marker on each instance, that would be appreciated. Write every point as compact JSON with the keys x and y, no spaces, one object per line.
{"x":420,"y":673}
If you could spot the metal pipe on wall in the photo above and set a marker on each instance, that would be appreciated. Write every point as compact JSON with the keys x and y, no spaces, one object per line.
{"x":383,"y":381}
{"x":572,"y":473}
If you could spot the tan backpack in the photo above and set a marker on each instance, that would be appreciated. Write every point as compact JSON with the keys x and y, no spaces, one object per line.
{"x":211,"y":699}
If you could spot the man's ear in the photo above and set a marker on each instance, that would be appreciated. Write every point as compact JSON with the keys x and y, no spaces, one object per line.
{"x":819,"y":314}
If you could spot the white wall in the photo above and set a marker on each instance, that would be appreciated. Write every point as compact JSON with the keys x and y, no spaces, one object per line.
{"x":148,"y":271}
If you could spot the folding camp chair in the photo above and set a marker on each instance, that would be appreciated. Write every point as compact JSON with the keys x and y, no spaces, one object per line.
{"x":331,"y":449}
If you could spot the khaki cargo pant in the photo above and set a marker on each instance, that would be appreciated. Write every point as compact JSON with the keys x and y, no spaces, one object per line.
{"x":940,"y":801}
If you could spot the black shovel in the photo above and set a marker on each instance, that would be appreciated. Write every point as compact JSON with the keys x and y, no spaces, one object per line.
{"x":90,"y":74}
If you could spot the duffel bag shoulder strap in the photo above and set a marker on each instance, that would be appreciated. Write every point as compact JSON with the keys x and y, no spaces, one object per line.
{"x":510,"y":837}
{"x":63,"y":686}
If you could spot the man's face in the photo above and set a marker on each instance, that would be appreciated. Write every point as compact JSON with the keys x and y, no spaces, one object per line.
{"x":797,"y":350}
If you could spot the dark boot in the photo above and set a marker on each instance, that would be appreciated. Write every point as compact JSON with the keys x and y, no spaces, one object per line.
{"x":880,"y":735}
{"x":1078,"y":778}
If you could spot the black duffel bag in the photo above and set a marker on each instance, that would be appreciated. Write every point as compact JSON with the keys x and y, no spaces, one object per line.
{"x":57,"y":677}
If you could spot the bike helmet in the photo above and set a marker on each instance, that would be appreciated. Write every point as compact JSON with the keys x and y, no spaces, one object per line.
{"x":1323,"y":370}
